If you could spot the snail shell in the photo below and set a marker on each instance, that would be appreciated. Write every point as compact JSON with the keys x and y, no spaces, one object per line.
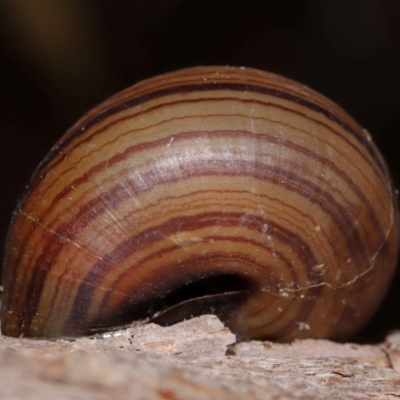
{"x":203,"y":186}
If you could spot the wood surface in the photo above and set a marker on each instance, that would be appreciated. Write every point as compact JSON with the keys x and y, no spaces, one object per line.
{"x":196,"y":359}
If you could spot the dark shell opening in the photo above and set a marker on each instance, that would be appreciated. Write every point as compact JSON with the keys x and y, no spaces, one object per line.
{"x":219,"y":295}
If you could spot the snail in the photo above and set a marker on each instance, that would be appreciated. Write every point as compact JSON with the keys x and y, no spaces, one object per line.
{"x":219,"y":190}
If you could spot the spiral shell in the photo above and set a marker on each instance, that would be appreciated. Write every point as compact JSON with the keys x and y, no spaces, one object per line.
{"x":221,"y":177}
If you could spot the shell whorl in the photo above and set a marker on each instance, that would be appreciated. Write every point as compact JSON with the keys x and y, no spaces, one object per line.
{"x":203,"y":172}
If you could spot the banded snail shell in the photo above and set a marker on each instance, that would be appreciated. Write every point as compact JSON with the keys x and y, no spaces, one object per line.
{"x":208,"y":174}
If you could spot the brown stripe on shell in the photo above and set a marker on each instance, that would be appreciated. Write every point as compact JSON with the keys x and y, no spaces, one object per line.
{"x":93,"y":209}
{"x":157,"y":143}
{"x":192,"y":135}
{"x":72,"y":278}
{"x":188,"y":224}
{"x":96,"y":270}
{"x":250,"y":85}
{"x":366,"y":143}
{"x":53,"y":161}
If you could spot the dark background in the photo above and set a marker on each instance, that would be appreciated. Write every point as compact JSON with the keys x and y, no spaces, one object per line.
{"x":59,"y":58}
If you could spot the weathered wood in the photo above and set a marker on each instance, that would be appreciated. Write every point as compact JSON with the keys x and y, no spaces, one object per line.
{"x":196,"y":359}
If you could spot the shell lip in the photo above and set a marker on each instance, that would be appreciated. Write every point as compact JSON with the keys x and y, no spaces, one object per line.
{"x":223,"y":305}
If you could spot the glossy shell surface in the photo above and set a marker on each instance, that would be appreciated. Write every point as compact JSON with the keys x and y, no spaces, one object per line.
{"x":197,"y":174}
